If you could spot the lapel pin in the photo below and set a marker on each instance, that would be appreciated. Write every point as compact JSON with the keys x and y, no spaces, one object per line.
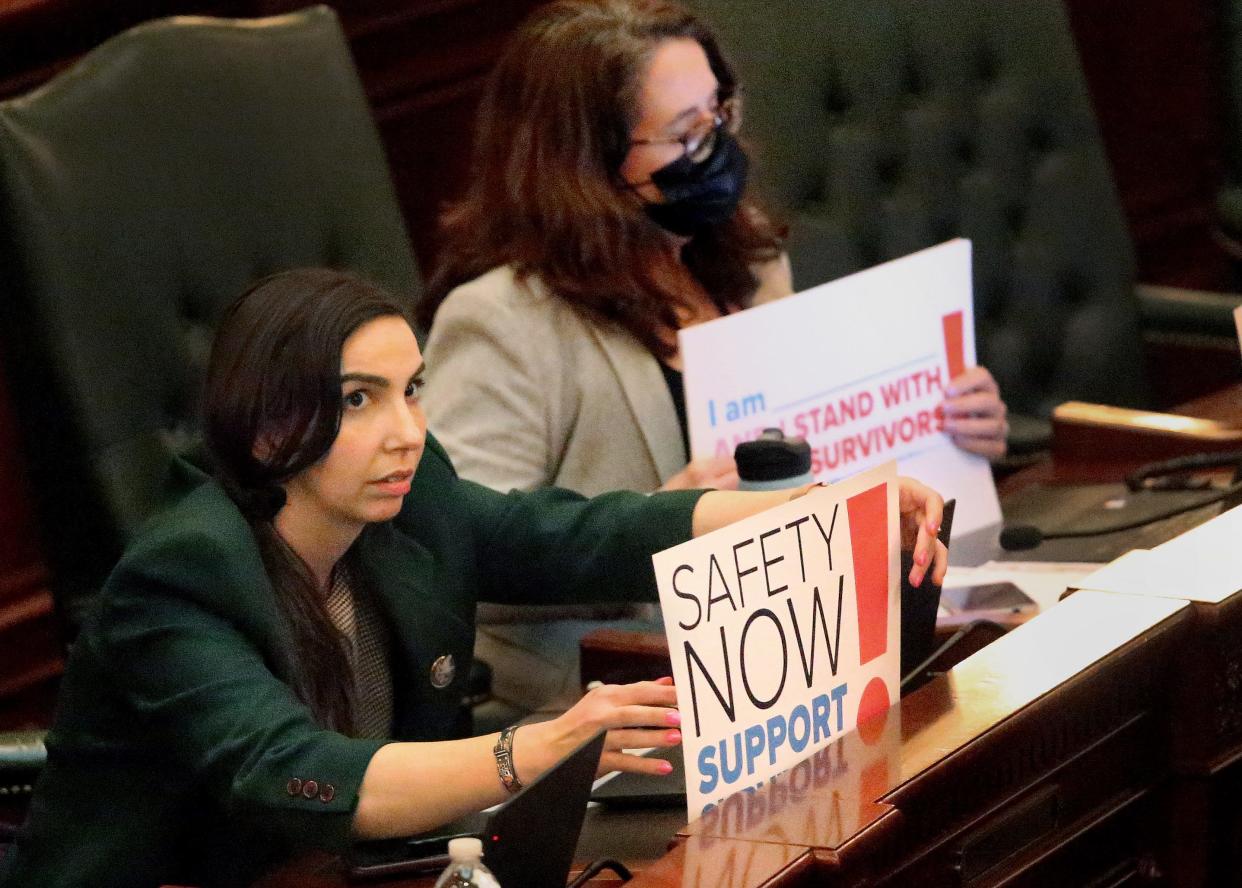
{"x":442,"y":671}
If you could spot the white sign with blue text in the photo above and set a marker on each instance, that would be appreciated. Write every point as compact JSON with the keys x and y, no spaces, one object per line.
{"x":784,"y":631}
{"x":858,"y":366}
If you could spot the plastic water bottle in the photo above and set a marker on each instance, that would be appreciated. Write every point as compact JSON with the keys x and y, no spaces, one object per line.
{"x":773,"y":462}
{"x":467,"y":869}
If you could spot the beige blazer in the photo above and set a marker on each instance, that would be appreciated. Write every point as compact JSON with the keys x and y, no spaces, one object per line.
{"x":524,"y":392}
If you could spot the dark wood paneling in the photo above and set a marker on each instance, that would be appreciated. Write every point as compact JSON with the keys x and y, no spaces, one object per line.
{"x":30,"y":647}
{"x":1152,"y":67}
{"x":20,"y":566}
{"x":423,"y":68}
{"x":422,"y":64}
{"x":40,"y":37}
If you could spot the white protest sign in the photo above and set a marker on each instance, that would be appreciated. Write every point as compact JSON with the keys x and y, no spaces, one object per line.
{"x":858,"y":367}
{"x":784,"y":630}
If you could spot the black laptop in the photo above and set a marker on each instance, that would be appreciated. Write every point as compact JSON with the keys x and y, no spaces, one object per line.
{"x":528,"y":842}
{"x":918,"y":635}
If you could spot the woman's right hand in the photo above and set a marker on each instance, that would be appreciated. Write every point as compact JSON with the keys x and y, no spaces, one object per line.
{"x":718,"y":472}
{"x":636,"y":716}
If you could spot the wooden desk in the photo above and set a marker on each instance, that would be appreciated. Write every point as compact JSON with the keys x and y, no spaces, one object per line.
{"x":1046,"y":754}
{"x":1041,"y":756}
{"x":1206,"y":742}
{"x":1100,"y":743}
{"x":1095,"y":443}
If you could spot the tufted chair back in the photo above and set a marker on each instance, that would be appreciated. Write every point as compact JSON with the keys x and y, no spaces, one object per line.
{"x":881,"y":127}
{"x":140,"y":192}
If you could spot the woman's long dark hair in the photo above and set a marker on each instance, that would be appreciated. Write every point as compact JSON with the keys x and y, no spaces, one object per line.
{"x":546,"y":194}
{"x":272,"y":408}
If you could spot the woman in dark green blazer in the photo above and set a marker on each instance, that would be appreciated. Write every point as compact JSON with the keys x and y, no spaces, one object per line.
{"x":277,"y":661}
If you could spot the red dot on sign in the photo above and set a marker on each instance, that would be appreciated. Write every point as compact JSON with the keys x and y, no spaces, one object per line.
{"x":874,"y":701}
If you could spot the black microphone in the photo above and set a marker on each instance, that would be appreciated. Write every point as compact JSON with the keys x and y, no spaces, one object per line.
{"x":1021,"y":536}
{"x":1027,"y":536}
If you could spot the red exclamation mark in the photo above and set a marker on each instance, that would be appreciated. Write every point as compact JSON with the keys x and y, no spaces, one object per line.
{"x":868,"y":514}
{"x":954,"y":348}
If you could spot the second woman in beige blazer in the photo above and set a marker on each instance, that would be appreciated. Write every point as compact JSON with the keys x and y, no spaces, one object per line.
{"x":527,"y":392}
{"x":607,"y":211}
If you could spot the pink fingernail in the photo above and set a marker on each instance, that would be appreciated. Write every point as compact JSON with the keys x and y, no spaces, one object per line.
{"x":672,"y":717}
{"x":666,"y":767}
{"x":672,"y":737}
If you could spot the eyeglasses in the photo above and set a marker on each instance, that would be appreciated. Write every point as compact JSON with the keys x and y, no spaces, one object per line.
{"x":698,"y":142}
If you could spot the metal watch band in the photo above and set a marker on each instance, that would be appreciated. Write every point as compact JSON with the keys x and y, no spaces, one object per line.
{"x":503,"y":750}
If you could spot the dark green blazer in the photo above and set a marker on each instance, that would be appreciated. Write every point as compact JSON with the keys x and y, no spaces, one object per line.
{"x":179,"y":751}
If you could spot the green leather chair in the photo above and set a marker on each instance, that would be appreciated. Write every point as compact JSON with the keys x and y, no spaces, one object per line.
{"x":140,"y":191}
{"x":882,"y":127}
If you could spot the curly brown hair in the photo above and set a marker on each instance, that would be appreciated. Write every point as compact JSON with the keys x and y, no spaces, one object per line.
{"x":547,"y":197}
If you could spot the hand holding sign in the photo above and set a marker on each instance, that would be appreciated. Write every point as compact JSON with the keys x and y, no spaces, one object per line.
{"x":922,"y":510}
{"x":784,"y":627}
{"x":636,"y":716}
{"x":974,"y":414}
{"x":867,"y":368}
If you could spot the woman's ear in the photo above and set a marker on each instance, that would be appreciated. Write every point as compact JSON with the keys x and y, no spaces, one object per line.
{"x":263,"y":447}
{"x":268,"y":443}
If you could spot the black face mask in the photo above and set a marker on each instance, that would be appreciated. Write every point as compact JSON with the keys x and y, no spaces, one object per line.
{"x":699,"y":195}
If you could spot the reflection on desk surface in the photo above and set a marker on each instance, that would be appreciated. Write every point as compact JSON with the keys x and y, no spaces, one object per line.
{"x":1068,"y":708}
{"x":631,"y":790}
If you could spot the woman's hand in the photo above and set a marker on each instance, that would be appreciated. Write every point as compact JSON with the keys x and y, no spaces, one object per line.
{"x":412,"y":787}
{"x":719,"y":472}
{"x":921,"y":510}
{"x":636,"y":716}
{"x":974,"y":414}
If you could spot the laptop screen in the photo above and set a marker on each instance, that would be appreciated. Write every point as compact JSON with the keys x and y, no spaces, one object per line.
{"x":529,"y":840}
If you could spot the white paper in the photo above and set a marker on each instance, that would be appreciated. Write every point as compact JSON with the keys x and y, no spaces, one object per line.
{"x":858,"y":367}
{"x":763,"y":622}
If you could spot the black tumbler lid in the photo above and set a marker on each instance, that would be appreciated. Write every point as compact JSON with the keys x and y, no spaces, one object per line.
{"x":772,"y":457}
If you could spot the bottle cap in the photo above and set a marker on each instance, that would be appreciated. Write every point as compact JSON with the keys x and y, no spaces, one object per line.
{"x":772,"y":457}
{"x":465,"y":848}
